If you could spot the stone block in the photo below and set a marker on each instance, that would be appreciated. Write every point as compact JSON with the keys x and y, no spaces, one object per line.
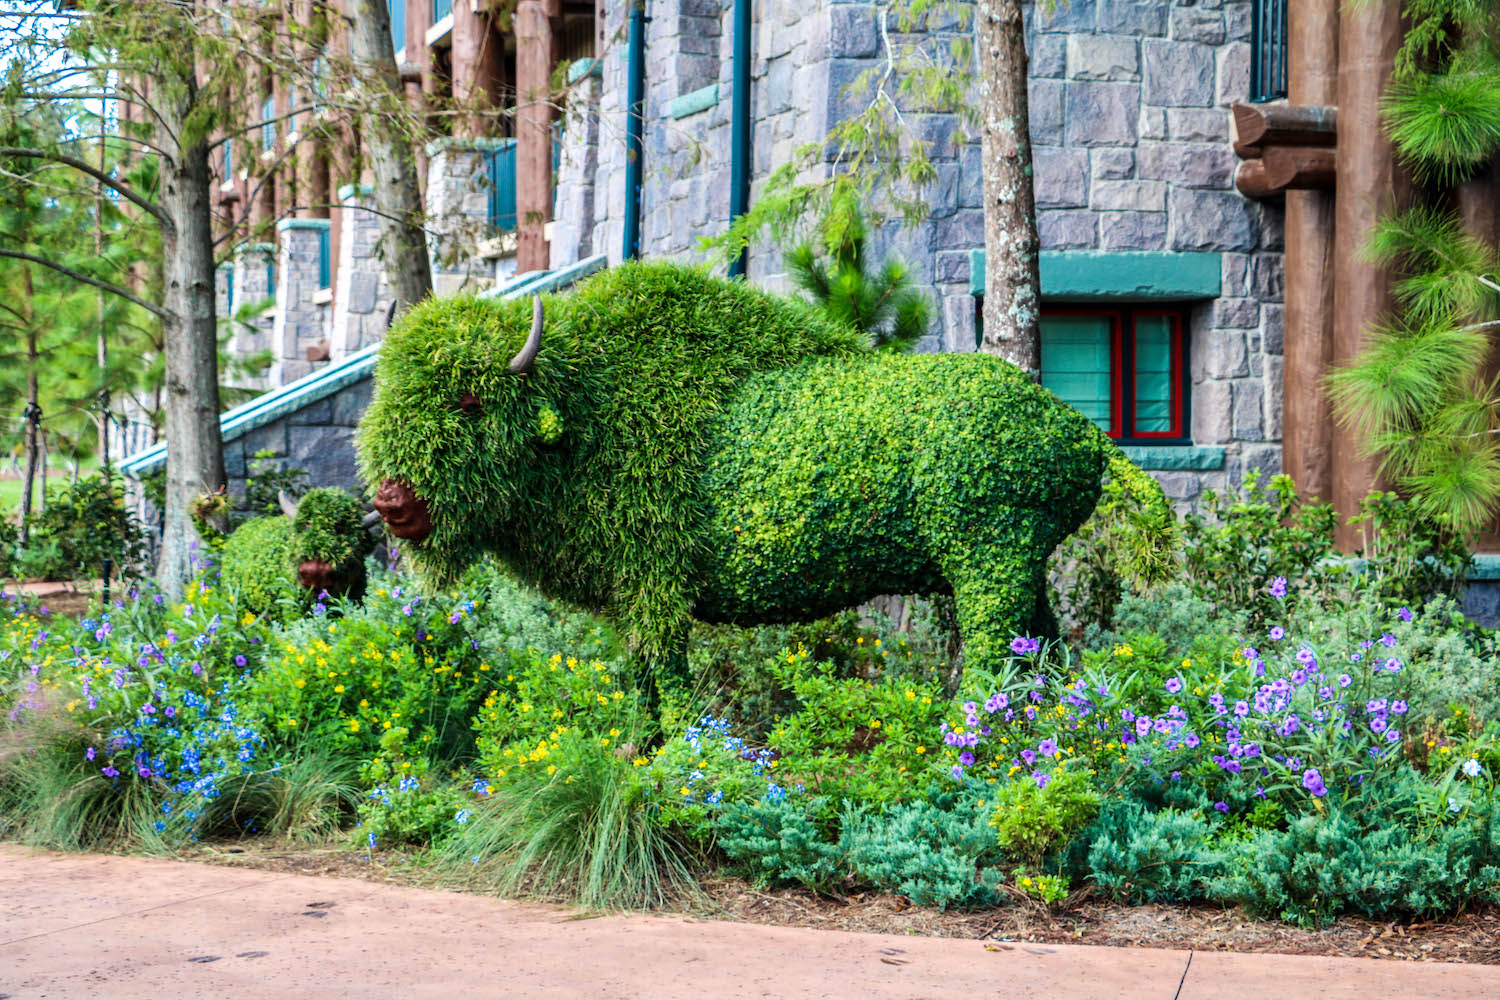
{"x":1264,"y":459}
{"x":961,"y":231}
{"x":952,"y":267}
{"x":1066,"y":229}
{"x":1235,"y":274}
{"x":327,"y":453}
{"x":971,"y":177}
{"x":1213,"y":413}
{"x":1102,"y":114}
{"x":1197,"y":24}
{"x":1103,"y":57}
{"x":363,"y":287}
{"x":1045,"y":102}
{"x":318,"y":413}
{"x":1179,"y":485}
{"x":1061,"y":177}
{"x":1275,"y":384}
{"x":351,"y":402}
{"x":1223,"y":354}
{"x":1073,"y":15}
{"x":1177,"y":74}
{"x":1186,"y":164}
{"x":852,"y":31}
{"x":1133,"y":17}
{"x":1153,"y":123}
{"x":1112,"y":164}
{"x":1129,"y":196}
{"x":1049,"y":55}
{"x":1198,"y":124}
{"x":1238,"y":26}
{"x":1249,"y":410}
{"x":1235,"y":314}
{"x":1272,"y":216}
{"x":1232,"y":76}
{"x":958,"y":323}
{"x":270,"y":438}
{"x":1132,"y":230}
{"x":1273,"y":329}
{"x":234,"y":459}
{"x":1267,"y":277}
{"x":1210,"y":220}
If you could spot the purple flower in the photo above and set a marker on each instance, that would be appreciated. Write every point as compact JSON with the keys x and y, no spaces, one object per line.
{"x":1031,"y":712}
{"x":1260,"y":668}
{"x":1393,"y":736}
{"x":1277,"y":632}
{"x":1398,"y":707}
{"x":1223,"y":807}
{"x":1174,"y":685}
{"x":197,"y":669}
{"x":109,"y":771}
{"x":170,"y":712}
{"x":1307,"y":657}
{"x":1393,"y":665}
{"x":1142,"y":725}
{"x":406,"y":610}
{"x":1313,"y":782}
{"x":239,"y":659}
{"x":1249,"y":652}
{"x":958,"y":771}
{"x":453,"y":618}
{"x":966,"y":758}
{"x":1241,"y":709}
{"x":1192,"y":741}
{"x":1388,"y":640}
{"x":1345,"y":680}
{"x":143,"y":771}
{"x":1176,"y":775}
{"x":1299,"y":677}
{"x":1404,"y":614}
{"x":996,"y":702}
{"x":1278,"y":587}
{"x":1022,"y":645}
{"x":88,"y":754}
{"x":1040,"y":779}
{"x":1047,"y":748}
{"x":1029,"y":756}
{"x":970,"y":708}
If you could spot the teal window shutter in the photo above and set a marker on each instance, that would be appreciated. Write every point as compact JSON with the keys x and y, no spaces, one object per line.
{"x":1078,"y":354}
{"x":501,"y":164}
{"x":325,"y":270}
{"x":268,"y":130}
{"x":1154,"y":371}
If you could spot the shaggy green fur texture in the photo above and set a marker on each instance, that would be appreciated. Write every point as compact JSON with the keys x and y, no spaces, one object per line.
{"x":262,"y":556}
{"x":689,"y":445}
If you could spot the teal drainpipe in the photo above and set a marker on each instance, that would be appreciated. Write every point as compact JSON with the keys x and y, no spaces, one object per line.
{"x":739,"y":129}
{"x":635,"y":120}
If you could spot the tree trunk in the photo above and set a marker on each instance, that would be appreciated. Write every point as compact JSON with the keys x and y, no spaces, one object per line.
{"x":398,"y":199}
{"x":1012,"y":304}
{"x":195,"y":459}
{"x":32,"y":398}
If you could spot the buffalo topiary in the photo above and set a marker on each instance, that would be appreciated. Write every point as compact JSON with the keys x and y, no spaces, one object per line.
{"x":318,"y":543}
{"x":667,"y":445}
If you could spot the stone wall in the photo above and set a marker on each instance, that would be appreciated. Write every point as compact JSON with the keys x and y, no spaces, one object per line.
{"x":318,"y":439}
{"x":297,"y":322}
{"x":364,"y":295}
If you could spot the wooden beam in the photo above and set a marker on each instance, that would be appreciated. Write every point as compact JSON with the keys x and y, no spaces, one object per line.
{"x":534,"y":45}
{"x":1300,"y":168}
{"x":1251,"y":181}
{"x":1285,"y":124}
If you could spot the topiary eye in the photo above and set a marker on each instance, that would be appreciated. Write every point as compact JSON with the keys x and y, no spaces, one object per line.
{"x":470,"y":404}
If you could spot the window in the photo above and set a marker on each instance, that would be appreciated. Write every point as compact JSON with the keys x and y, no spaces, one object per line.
{"x":291,"y":103}
{"x":398,"y":27}
{"x":268,"y":130}
{"x":1122,"y":367}
{"x":441,"y":9}
{"x":500,"y":168}
{"x":325,"y":269}
{"x":271,"y":277}
{"x":1268,"y":45}
{"x":229,"y":160}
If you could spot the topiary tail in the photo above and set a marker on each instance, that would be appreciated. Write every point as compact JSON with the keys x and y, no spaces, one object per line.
{"x":1148,"y":524}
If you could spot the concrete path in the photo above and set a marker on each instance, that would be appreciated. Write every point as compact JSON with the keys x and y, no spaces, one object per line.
{"x":115,"y":928}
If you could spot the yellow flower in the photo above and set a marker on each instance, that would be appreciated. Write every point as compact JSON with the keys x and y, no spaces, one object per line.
{"x":921,"y":749}
{"x":875,"y":724}
{"x":353,"y":725}
{"x":338,"y":689}
{"x":299,"y":683}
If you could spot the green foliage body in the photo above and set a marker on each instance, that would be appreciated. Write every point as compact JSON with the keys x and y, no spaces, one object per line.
{"x":728,"y":455}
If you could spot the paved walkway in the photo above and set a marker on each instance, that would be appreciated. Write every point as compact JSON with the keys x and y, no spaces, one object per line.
{"x":113,"y":928}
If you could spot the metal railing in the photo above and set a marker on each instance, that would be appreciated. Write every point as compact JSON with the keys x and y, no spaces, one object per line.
{"x":1268,"y":47}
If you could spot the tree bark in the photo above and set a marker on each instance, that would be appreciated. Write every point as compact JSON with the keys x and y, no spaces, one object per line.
{"x":1012,"y":302}
{"x":403,"y":245}
{"x":33,"y":395}
{"x":195,"y":457}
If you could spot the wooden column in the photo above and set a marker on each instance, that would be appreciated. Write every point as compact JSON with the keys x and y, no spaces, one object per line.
{"x":533,"y":135}
{"x":1307,"y":423}
{"x":1370,"y":185}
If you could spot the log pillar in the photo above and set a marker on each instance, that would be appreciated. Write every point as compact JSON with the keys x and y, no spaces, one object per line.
{"x":1307,"y":422}
{"x":533,"y":135}
{"x":1371,"y":184}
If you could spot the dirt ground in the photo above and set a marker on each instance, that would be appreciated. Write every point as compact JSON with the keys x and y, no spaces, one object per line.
{"x":1472,"y":937}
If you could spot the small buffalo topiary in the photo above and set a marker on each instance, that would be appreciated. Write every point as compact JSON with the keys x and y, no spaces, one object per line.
{"x":318,"y":543}
{"x":666,"y":445}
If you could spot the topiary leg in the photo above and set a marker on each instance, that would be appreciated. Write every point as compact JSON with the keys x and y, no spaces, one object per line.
{"x":998,"y":591}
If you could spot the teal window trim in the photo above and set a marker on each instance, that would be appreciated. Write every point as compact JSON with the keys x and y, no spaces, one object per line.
{"x":441,"y":9}
{"x":268,"y":130}
{"x":325,"y":265}
{"x":271,"y":277}
{"x":228,"y":159}
{"x":1120,"y":276}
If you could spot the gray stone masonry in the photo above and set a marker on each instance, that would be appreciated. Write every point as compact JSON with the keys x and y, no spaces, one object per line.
{"x":364,"y":295}
{"x":318,"y":439}
{"x":251,"y":283}
{"x":458,"y":213}
{"x":296,"y":324}
{"x":1129,"y":117}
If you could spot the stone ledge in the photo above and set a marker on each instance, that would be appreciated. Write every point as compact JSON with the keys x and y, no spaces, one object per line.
{"x":351,"y":190}
{"x":1485,"y":567}
{"x":467,"y":144}
{"x":255,"y":248}
{"x":285,"y":224}
{"x":1166,"y":457}
{"x":1121,"y":276}
{"x":585,"y":67}
{"x":691,"y":103}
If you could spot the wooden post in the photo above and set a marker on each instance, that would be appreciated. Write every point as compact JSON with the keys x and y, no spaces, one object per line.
{"x":1307,"y":423}
{"x":1370,"y":184}
{"x":533,"y":135}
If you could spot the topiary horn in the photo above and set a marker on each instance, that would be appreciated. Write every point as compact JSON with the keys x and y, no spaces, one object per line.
{"x":288,"y":505}
{"x":523,"y":362}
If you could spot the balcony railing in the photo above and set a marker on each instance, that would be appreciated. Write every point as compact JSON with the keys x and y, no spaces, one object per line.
{"x":1268,"y":45}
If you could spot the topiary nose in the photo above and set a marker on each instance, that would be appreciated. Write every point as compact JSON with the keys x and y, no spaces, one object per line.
{"x":405,"y":513}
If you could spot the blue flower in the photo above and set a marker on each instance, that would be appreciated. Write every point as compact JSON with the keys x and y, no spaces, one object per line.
{"x":462,"y":816}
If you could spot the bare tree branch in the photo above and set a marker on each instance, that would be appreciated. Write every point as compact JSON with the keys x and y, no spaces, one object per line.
{"x":123,"y":293}
{"x":92,"y":171}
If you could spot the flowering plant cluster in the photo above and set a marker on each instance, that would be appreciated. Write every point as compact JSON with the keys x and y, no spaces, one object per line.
{"x":708,"y":769}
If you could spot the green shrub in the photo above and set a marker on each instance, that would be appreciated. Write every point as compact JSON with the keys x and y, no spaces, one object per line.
{"x":80,"y":526}
{"x":1031,"y":817}
{"x":939,"y":852}
{"x":1150,"y":856}
{"x":257,"y":563}
{"x":780,"y":841}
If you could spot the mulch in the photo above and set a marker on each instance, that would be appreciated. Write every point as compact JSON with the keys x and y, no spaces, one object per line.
{"x":1472,"y":936}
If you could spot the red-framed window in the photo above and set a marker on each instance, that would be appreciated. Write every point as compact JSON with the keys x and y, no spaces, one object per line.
{"x":1124,"y":367}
